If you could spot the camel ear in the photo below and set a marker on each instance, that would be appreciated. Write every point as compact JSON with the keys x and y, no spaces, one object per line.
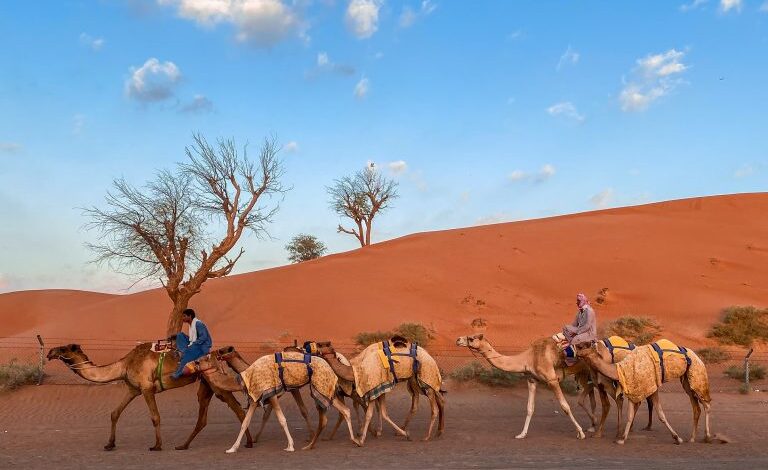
{"x":74,"y":347}
{"x":231,"y":349}
{"x":480,"y":336}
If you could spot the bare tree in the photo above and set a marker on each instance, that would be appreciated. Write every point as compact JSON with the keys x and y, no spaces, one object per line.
{"x":305,"y":247}
{"x":179,"y":227}
{"x":360,"y":197}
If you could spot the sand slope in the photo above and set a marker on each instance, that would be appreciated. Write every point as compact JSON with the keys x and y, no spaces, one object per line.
{"x":679,"y":261}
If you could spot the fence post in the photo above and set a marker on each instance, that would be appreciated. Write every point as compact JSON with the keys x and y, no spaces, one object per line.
{"x":42,"y":359}
{"x":746,"y":369}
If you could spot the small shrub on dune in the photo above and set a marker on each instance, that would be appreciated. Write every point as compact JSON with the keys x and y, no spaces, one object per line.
{"x":639,"y":330}
{"x":369,"y":337}
{"x":756,"y":372}
{"x":414,"y":332}
{"x":742,"y":326}
{"x":493,"y":377}
{"x":14,"y":374}
{"x":713,"y":355}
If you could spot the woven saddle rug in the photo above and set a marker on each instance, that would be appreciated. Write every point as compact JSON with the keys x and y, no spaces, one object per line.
{"x":640,"y":373}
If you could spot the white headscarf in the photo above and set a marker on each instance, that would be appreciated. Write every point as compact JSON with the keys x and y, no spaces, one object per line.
{"x":193,"y":330}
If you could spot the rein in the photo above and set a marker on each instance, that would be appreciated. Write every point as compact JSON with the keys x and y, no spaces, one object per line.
{"x":74,"y":366}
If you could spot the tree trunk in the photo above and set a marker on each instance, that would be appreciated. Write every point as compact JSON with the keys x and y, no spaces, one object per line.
{"x":368,"y":232}
{"x":174,"y":320}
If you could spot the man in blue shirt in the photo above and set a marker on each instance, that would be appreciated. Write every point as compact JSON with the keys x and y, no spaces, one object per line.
{"x":194,"y":346}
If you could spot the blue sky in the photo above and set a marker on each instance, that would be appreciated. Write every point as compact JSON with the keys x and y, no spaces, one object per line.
{"x":483,"y":111}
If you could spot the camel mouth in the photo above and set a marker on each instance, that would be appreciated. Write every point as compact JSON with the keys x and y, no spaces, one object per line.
{"x":461,"y":341}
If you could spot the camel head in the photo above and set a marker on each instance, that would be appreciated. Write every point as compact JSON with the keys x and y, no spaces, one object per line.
{"x":68,"y":353}
{"x":324,"y":348}
{"x":586,"y":349}
{"x":471,"y":342}
{"x":227,"y":353}
{"x":399,"y":341}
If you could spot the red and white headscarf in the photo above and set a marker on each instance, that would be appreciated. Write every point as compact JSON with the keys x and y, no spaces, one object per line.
{"x":581,"y":300}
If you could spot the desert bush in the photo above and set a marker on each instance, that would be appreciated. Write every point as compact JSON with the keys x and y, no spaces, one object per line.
{"x":414,"y":332}
{"x":639,"y":330}
{"x":742,"y":326}
{"x":493,"y":377}
{"x":713,"y":355}
{"x":756,"y":372}
{"x":14,"y":374}
{"x":305,"y":247}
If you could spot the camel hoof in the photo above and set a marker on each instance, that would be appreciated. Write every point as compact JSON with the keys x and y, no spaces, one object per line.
{"x":288,"y":449}
{"x":597,"y":435}
{"x":357,"y":442}
{"x":407,"y":436}
{"x":581,"y":435}
{"x":156,"y":448}
{"x":677,"y":439}
{"x":619,"y":442}
{"x":647,"y":428}
{"x":231,"y":450}
{"x":182,"y":447}
{"x":109,"y":447}
{"x":308,"y":447}
{"x":376,"y":433}
{"x":521,"y":436}
{"x":591,"y":429}
{"x":248,"y":445}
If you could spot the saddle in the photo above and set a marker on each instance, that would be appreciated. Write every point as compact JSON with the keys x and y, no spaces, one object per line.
{"x":568,"y":352}
{"x":388,"y":361}
{"x":279,"y":360}
{"x":664,"y":348}
{"x":163,"y":346}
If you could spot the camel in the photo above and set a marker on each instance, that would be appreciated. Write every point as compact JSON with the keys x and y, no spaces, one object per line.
{"x":261,"y":384}
{"x":607,"y":387}
{"x":428,"y":367}
{"x":639,"y":380}
{"x":139,"y":370}
{"x":544,"y":362}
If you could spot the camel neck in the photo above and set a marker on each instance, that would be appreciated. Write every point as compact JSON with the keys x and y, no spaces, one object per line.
{"x":221,"y":381}
{"x":516,"y":363}
{"x":86,"y":369}
{"x":601,"y":365}
{"x":238,"y":364}
{"x":342,"y":371}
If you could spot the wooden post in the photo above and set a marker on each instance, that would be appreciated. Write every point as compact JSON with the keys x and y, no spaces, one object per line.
{"x":746,"y":369}
{"x":42,"y":360}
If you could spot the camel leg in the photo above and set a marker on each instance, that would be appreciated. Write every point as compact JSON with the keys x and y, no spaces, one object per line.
{"x":632,"y":409}
{"x":414,"y":404}
{"x":663,"y":418}
{"x":127,"y":399}
{"x":380,"y":430}
{"x":434,"y":409}
{"x":344,"y":411}
{"x":243,"y":428}
{"x":441,"y":409}
{"x":619,"y":415}
{"x":649,"y":402}
{"x":264,"y":419}
{"x":322,"y":421}
{"x":529,"y":409}
{"x":338,"y":420}
{"x":149,"y":397}
{"x":555,"y":386}
{"x":281,"y":419}
{"x":204,"y":395}
{"x":303,"y":409}
{"x":582,"y":397}
{"x":231,"y":401}
{"x":367,"y":422}
{"x":695,"y":407}
{"x":386,"y":417}
{"x":707,"y":431}
{"x":605,"y":405}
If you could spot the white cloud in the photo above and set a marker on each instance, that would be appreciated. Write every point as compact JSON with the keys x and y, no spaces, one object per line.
{"x":744,"y":171}
{"x":409,"y":16}
{"x":291,"y":147}
{"x":361,"y":89}
{"x":565,"y":109}
{"x":654,"y":77}
{"x":693,"y":5}
{"x":546,"y":172}
{"x":764,"y":7}
{"x":325,"y":64}
{"x":570,"y":56}
{"x":602,"y":199}
{"x":78,"y":123}
{"x":93,"y":43}
{"x":397,"y":167}
{"x":362,"y":17}
{"x":153,"y":81}
{"x":199,"y":104}
{"x":10,"y":147}
{"x":728,"y":5}
{"x":515,"y":35}
{"x":260,"y":22}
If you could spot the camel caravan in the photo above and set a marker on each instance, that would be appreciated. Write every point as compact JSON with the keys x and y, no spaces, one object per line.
{"x":614,"y":367}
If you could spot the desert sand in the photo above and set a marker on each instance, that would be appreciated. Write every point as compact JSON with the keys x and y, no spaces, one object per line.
{"x":680,"y":262}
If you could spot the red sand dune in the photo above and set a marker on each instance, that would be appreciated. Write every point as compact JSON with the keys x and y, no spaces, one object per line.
{"x":681,"y":262}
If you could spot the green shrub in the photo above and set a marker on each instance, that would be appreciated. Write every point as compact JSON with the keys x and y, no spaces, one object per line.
{"x":756,"y":372}
{"x":413,"y":332}
{"x":742,"y":326}
{"x":475,"y":371}
{"x":638,"y":330}
{"x":14,"y":374}
{"x":713,"y":355}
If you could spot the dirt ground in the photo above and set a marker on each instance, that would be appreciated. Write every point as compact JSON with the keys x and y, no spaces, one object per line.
{"x":65,"y":426}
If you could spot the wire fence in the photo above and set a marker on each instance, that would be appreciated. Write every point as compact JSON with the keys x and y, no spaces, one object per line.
{"x":726,"y":376}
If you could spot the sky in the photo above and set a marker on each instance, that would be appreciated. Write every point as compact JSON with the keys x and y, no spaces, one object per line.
{"x":483,"y":111}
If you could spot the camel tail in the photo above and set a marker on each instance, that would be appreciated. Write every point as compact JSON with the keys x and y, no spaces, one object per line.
{"x":698,"y":379}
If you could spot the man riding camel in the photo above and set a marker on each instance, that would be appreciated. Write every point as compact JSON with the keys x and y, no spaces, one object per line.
{"x":584,"y":327}
{"x":194,"y":346}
